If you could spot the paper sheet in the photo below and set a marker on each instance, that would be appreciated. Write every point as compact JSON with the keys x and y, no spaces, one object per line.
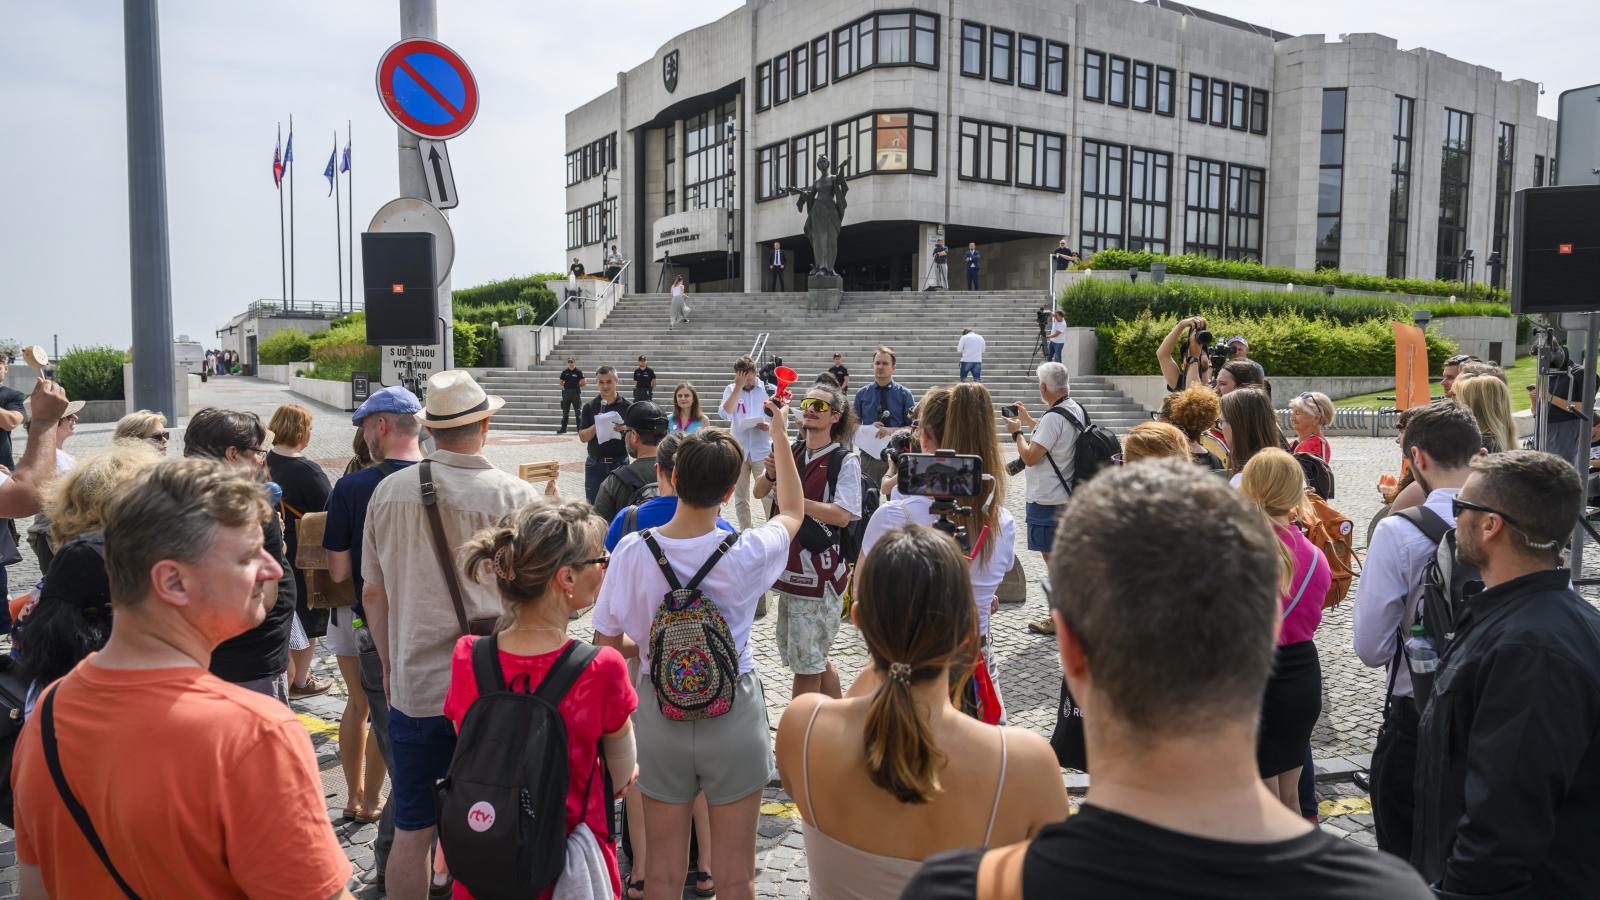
{"x":605,"y":426}
{"x":868,"y":442}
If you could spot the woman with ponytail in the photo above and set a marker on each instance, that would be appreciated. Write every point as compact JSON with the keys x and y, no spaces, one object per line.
{"x":884,"y":780}
{"x":1274,"y":482}
{"x":548,"y":559}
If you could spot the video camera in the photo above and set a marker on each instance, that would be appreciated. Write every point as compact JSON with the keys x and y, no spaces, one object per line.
{"x":1218,"y":354}
{"x":1041,"y":317}
{"x":945,"y":476}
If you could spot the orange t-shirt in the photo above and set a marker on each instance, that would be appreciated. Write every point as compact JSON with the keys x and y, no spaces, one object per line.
{"x":197,"y":788}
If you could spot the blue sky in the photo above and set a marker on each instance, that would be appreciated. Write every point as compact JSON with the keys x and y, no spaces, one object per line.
{"x":233,"y":70}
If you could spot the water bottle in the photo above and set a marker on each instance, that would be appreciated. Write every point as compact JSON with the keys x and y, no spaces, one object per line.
{"x":1420,"y":653}
{"x":364,"y":641}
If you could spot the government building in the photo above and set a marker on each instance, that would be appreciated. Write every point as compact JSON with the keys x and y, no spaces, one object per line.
{"x":1012,"y":124}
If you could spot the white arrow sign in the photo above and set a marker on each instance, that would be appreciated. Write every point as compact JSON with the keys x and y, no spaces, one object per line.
{"x":436,"y":172}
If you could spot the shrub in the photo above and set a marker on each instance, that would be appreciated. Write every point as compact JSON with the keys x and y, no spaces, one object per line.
{"x":1287,"y":343}
{"x":335,"y":362}
{"x":498,"y":300}
{"x":1092,"y":302}
{"x":1247,"y":270}
{"x":286,"y":346}
{"x":91,"y":373}
{"x":467,"y":343}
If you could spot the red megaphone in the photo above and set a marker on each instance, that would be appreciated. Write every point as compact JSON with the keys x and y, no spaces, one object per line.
{"x":786,"y":376}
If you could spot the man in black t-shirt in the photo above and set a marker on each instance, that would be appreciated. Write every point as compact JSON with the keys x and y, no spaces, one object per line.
{"x":11,"y":415}
{"x":1162,"y":820}
{"x":604,"y":456}
{"x":941,"y":265}
{"x":572,"y":385}
{"x":644,"y":382}
{"x":839,"y":372}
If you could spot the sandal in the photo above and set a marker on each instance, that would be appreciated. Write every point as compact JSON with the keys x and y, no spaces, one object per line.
{"x":701,"y":877}
{"x":1046,"y":625}
{"x":632,"y":886}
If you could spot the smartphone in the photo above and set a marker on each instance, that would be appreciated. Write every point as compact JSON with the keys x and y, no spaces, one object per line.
{"x":940,"y":474}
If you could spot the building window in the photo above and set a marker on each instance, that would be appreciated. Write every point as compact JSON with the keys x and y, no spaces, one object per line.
{"x":802,"y":69}
{"x":1246,"y":189}
{"x":894,"y":39}
{"x":1094,"y":76}
{"x":764,"y":86}
{"x":985,"y":152}
{"x":1055,"y":67}
{"x":1400,"y":186}
{"x":591,"y":224}
{"x":669,"y":168}
{"x":1149,"y":190}
{"x":1554,"y":173}
{"x":1239,"y":107}
{"x":1330,"y":178}
{"x":708,"y":166}
{"x":819,"y":62}
{"x":1117,"y":84}
{"x":780,"y":80}
{"x":1040,"y":160}
{"x":1100,"y":223}
{"x":1166,"y":83}
{"x":1028,"y":62}
{"x":1219,"y":103}
{"x":1000,"y":43}
{"x":1538,"y":170}
{"x":1258,"y":111}
{"x":972,"y":49}
{"x":572,"y":169}
{"x":772,"y":171}
{"x":1505,"y":153}
{"x":1455,"y":177}
{"x":1141,"y":86}
{"x":574,"y":230}
{"x":1197,"y":98}
{"x":885,"y":141}
{"x":925,"y":41}
{"x":843,"y":52}
{"x":808,"y":148}
{"x":1202,"y":218}
{"x":591,"y":159}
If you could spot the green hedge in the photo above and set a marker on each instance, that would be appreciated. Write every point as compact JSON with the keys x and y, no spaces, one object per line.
{"x":1287,"y":343}
{"x":91,"y":373}
{"x":1091,"y":302}
{"x":498,"y":300}
{"x":284,"y":347}
{"x":1245,"y":270}
{"x":343,"y":349}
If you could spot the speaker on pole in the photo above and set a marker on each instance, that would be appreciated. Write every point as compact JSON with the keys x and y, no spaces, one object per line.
{"x":402,"y":301}
{"x":1557,"y":249}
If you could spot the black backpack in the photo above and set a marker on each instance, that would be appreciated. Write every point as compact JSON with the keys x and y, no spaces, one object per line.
{"x":639,"y":490}
{"x":1319,"y":475}
{"x":1092,"y":450}
{"x":1446,"y":583}
{"x":848,"y":537}
{"x":503,"y":807}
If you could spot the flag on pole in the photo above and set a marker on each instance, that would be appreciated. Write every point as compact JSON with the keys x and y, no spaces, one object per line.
{"x":288,"y":153}
{"x":277,"y":165}
{"x":344,"y":161}
{"x":333,"y":158}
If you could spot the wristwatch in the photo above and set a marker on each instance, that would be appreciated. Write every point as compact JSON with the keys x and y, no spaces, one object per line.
{"x":1016,"y":435}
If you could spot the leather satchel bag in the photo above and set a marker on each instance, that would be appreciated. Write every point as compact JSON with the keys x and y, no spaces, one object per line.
{"x":441,"y":549}
{"x":322,"y":592}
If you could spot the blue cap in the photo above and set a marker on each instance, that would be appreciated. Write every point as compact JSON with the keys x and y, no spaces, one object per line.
{"x":389,"y":400}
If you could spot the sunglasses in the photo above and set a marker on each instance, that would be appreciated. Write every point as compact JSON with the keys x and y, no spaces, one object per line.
{"x":1458,"y":359}
{"x":812,"y":404}
{"x":1457,"y":505}
{"x":601,"y":561}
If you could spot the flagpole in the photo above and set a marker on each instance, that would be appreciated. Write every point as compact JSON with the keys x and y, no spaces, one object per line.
{"x":338,"y":250}
{"x":283,"y":271}
{"x":292,"y":167}
{"x":350,"y":215}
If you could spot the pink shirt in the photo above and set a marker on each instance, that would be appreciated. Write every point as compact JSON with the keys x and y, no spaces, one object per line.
{"x":1302,"y":621}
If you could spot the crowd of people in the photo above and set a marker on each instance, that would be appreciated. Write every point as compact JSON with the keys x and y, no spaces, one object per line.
{"x":1186,"y":585}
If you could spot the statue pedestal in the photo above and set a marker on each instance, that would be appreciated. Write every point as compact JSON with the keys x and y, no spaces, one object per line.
{"x":824,"y":293}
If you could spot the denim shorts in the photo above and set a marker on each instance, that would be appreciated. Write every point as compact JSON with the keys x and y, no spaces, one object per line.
{"x":422,"y":747}
{"x":1041,"y":526}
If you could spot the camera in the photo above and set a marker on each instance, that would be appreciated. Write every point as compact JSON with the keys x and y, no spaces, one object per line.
{"x":1041,"y":317}
{"x":900,"y":443}
{"x":1015,"y":467}
{"x":1010,"y":410}
{"x":1217,"y":354}
{"x":943,"y":475}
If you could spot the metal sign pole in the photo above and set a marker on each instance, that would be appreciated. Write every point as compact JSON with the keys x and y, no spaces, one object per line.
{"x":1581,"y":458}
{"x":151,"y":278}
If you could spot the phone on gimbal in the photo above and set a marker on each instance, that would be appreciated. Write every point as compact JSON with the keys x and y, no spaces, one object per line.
{"x":942,"y":474}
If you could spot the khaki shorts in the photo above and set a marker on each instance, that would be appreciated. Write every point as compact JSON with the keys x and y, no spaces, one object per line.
{"x":729,"y":757}
{"x":806,"y":628}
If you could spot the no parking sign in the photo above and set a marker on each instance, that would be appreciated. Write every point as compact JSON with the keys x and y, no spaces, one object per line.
{"x":427,"y":89}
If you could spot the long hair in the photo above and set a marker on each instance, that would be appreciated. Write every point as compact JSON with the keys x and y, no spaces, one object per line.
{"x":1254,"y":424}
{"x":694,"y":405}
{"x":528,"y":546}
{"x":1274,"y":482}
{"x":915,"y":611}
{"x":842,"y":430}
{"x":961,"y":417}
{"x":1490,"y":402}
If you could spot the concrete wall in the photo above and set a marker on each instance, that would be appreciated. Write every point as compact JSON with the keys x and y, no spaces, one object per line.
{"x":1149,"y":390}
{"x":1475,"y":334}
{"x":336,"y":394}
{"x":282,"y":374}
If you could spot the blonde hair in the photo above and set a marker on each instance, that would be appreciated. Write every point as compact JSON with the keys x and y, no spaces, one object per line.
{"x":528,"y":546}
{"x":1315,"y":403}
{"x":1490,"y":402}
{"x":78,"y":498}
{"x":290,"y":425}
{"x":1274,"y":482}
{"x":135,"y":426}
{"x":1154,"y":440}
{"x":961,"y":417}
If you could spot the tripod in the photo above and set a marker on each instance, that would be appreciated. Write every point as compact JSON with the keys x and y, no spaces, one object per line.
{"x":1038,"y":349}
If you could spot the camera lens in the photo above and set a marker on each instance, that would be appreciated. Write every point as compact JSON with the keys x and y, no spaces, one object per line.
{"x":1203,"y":336}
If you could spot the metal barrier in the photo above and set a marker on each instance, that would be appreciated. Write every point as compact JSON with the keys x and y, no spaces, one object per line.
{"x":1353,"y":421}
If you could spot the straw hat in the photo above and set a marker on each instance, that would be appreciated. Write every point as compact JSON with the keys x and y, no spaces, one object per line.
{"x":454,"y":398}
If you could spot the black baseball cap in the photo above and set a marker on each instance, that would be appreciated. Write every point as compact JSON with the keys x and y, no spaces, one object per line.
{"x":646,"y":417}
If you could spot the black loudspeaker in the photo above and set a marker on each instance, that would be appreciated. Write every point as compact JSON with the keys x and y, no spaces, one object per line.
{"x":1557,"y":253}
{"x":402,"y":299}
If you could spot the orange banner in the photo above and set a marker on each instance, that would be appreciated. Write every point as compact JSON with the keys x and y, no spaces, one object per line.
{"x":1410,"y":366}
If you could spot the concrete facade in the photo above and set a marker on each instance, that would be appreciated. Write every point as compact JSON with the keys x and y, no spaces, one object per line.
{"x":925,"y":181}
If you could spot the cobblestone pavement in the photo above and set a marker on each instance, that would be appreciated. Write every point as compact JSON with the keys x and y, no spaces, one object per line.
{"x":1029,"y":670}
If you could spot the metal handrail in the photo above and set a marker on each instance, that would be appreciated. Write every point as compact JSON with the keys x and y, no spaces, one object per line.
{"x":759,"y":348}
{"x":618,"y":280}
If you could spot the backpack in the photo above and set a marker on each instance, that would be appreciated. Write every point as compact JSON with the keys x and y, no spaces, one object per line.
{"x":639,"y":490}
{"x":694,"y":664}
{"x":503,"y":806}
{"x":1319,"y":475}
{"x":1092,"y":450}
{"x":1333,"y":533}
{"x":849,"y":536}
{"x":1446,"y":583}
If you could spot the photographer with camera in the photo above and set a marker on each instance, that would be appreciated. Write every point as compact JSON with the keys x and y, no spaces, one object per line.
{"x":886,"y":403}
{"x":1055,"y":336}
{"x":960,"y":418}
{"x":1197,"y":363}
{"x":1049,"y":460}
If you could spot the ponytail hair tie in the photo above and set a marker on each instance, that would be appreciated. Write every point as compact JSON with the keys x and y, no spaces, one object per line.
{"x":900,"y":672}
{"x":502,"y":562}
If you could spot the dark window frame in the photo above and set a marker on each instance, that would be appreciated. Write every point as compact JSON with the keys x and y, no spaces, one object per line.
{"x":1245,"y":184}
{"x":1171,"y":84}
{"x":1010,"y":51}
{"x":1260,"y":102}
{"x":1452,"y":235}
{"x":1096,"y":82}
{"x":1198,"y":88}
{"x":982,"y":43}
{"x":800,"y":66}
{"x":820,"y":55}
{"x":1401,"y":180}
{"x":763,"y":86}
{"x":1143,"y":209}
{"x":1107,"y":194}
{"x":846,"y":132}
{"x":985,"y":135}
{"x":1538,"y":170}
{"x":1040,"y":143}
{"x":782,"y":80}
{"x":1505,"y":149}
{"x":1036,"y":73}
{"x":1111,"y":81}
{"x":770,"y":165}
{"x":1217,"y":107}
{"x":1057,"y":55}
{"x":1328,"y":239}
{"x":1142,"y":72}
{"x":1210,"y":177}
{"x":1239,"y":106}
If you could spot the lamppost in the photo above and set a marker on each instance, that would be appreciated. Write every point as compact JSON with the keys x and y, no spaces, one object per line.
{"x":1466,"y":260}
{"x":730,"y":133}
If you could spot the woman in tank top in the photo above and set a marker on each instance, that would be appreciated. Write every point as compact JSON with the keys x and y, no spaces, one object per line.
{"x":885,"y":780}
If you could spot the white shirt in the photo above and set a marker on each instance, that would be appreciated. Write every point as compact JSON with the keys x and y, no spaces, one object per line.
{"x":1391,"y":585}
{"x":1058,"y":331}
{"x":847,"y":493}
{"x":747,"y":414}
{"x":1059,"y":437}
{"x":971,"y":347}
{"x":634,"y":586}
{"x":986,"y":575}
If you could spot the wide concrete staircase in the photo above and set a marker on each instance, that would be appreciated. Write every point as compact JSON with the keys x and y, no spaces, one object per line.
{"x":921,"y":327}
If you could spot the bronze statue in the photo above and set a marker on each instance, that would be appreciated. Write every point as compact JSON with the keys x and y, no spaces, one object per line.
{"x":825,"y":216}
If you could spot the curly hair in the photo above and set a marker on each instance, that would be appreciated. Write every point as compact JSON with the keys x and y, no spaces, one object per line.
{"x":78,"y":498}
{"x":1194,"y":410}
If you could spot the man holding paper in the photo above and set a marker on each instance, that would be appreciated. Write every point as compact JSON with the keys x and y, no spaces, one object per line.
{"x":743,"y":404}
{"x":597,"y":426}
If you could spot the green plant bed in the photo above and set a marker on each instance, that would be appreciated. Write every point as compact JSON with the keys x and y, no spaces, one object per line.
{"x":1246,"y":270}
{"x":1091,"y":303}
{"x":335,"y":362}
{"x":91,"y":373}
{"x":287,"y":346}
{"x":1518,"y":377}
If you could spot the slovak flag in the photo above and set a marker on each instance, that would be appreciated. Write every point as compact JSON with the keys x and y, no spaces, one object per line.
{"x":333,"y":158}
{"x":344,"y":162}
{"x":277,"y":165}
